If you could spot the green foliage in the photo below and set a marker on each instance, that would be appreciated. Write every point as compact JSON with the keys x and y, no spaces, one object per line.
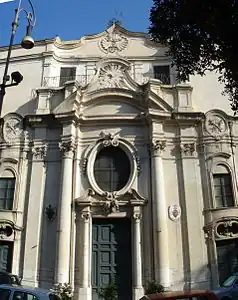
{"x":109,"y":292}
{"x":201,"y":35}
{"x":154,"y":288}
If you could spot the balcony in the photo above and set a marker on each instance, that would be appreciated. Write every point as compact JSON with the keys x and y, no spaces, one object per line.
{"x":140,"y":78}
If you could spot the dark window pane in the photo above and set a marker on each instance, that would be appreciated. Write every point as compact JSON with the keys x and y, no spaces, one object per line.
{"x":223,"y":190}
{"x":162,"y":73}
{"x":7,"y":187}
{"x":67,"y":74}
{"x":112,"y":169}
{"x":5,"y":294}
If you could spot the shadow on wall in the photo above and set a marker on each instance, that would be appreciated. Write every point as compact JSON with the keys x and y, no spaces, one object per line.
{"x":30,"y":106}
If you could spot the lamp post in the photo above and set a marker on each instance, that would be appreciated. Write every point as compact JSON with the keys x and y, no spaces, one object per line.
{"x":27,"y":43}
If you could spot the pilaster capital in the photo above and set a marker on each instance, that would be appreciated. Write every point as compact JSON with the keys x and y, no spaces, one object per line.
{"x":67,"y":148}
{"x":188,"y":149}
{"x":39,"y":151}
{"x":157,"y":147}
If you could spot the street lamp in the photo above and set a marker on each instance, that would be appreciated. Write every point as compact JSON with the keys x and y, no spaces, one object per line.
{"x":27,"y":43}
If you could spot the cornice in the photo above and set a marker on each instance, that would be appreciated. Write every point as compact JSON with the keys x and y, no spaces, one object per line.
{"x":28,"y":57}
{"x":196,"y":117}
{"x":37,"y":43}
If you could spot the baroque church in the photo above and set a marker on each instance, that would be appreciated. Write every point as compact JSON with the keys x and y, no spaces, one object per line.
{"x":112,"y":170}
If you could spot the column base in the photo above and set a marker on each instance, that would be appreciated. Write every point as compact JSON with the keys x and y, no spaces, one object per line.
{"x":138,"y":292}
{"x":83,"y":294}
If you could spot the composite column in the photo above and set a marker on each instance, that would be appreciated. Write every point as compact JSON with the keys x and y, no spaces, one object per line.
{"x":64,"y":215}
{"x":160,"y":215}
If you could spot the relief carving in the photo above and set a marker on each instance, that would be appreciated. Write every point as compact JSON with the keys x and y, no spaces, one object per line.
{"x":158,"y":147}
{"x":67,"y":148}
{"x":12,"y":128}
{"x":111,"y":76}
{"x":113,"y":42}
{"x":39,"y":152}
{"x":188,"y":149}
{"x":215,"y":125}
{"x":109,"y":139}
{"x":226,"y":229}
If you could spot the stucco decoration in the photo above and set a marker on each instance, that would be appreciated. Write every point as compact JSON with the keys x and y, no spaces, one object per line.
{"x":7,"y":230}
{"x":113,"y":42}
{"x":39,"y":151}
{"x":109,"y":200}
{"x":188,"y":149}
{"x":174,"y":212}
{"x":224,"y":228}
{"x":12,"y":128}
{"x":157,"y":147}
{"x":112,"y":73}
{"x":215,"y":124}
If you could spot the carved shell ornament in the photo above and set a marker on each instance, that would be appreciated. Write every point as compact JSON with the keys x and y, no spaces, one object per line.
{"x":215,"y":125}
{"x":111,"y":76}
{"x":113,"y":42}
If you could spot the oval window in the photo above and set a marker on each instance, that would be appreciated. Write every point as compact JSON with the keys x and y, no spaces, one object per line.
{"x":112,"y":169}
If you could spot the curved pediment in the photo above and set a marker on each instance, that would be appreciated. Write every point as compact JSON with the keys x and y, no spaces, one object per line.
{"x":115,"y":40}
{"x":111,"y":108}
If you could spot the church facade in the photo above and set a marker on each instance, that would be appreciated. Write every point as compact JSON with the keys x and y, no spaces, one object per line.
{"x":111,"y":169}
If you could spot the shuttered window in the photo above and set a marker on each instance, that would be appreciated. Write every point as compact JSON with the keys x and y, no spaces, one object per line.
{"x":223,"y":190}
{"x":67,"y":74}
{"x":162,"y":73}
{"x":7,"y":187}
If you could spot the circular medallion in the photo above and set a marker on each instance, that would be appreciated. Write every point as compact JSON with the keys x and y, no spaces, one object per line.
{"x":12,"y":128}
{"x":215,"y":125}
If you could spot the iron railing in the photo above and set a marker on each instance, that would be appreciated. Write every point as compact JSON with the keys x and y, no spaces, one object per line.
{"x":57,"y":81}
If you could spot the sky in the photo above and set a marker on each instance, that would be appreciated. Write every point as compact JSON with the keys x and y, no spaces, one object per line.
{"x":72,"y":19}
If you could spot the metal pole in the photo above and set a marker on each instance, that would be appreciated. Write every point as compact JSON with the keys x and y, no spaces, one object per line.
{"x":5,"y":76}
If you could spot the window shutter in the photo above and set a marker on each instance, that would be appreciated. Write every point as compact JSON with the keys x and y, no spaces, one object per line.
{"x":67,"y":74}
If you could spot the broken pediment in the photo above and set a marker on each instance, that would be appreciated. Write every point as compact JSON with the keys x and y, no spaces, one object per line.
{"x":115,"y":40}
{"x":113,"y":73}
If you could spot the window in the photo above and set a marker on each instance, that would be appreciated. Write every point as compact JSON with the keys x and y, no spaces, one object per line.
{"x":4,"y":294}
{"x":223,"y":190}
{"x":67,"y":74}
{"x":7,"y":187}
{"x":162,"y":73}
{"x":112,"y":169}
{"x":23,"y":296}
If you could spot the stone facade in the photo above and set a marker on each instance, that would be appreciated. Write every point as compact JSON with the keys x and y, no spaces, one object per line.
{"x":81,"y":100}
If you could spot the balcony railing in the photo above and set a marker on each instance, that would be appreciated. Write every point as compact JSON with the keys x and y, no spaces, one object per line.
{"x":57,"y":81}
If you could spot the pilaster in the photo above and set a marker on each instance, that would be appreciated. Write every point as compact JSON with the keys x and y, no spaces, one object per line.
{"x":160,"y":216}
{"x":67,"y":149}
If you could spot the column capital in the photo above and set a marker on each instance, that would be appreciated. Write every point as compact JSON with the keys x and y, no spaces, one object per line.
{"x":67,"y":148}
{"x":39,"y":151}
{"x":157,"y":147}
{"x":137,"y":216}
{"x":188,"y":149}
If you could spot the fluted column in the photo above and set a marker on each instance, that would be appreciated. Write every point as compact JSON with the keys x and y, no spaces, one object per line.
{"x":160,"y":215}
{"x":137,"y":263}
{"x":64,"y":215}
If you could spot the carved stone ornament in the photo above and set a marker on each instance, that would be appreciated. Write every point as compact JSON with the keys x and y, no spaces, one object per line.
{"x":12,"y":128}
{"x":226,"y":229}
{"x":188,"y":149}
{"x":174,"y":212}
{"x":86,"y":215}
{"x":67,"y":147}
{"x":39,"y":152}
{"x":110,"y":206}
{"x":111,"y":76}
{"x":137,"y":216}
{"x":8,"y":230}
{"x":109,"y":139}
{"x":215,"y":125}
{"x":158,"y":146}
{"x":113,"y":42}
